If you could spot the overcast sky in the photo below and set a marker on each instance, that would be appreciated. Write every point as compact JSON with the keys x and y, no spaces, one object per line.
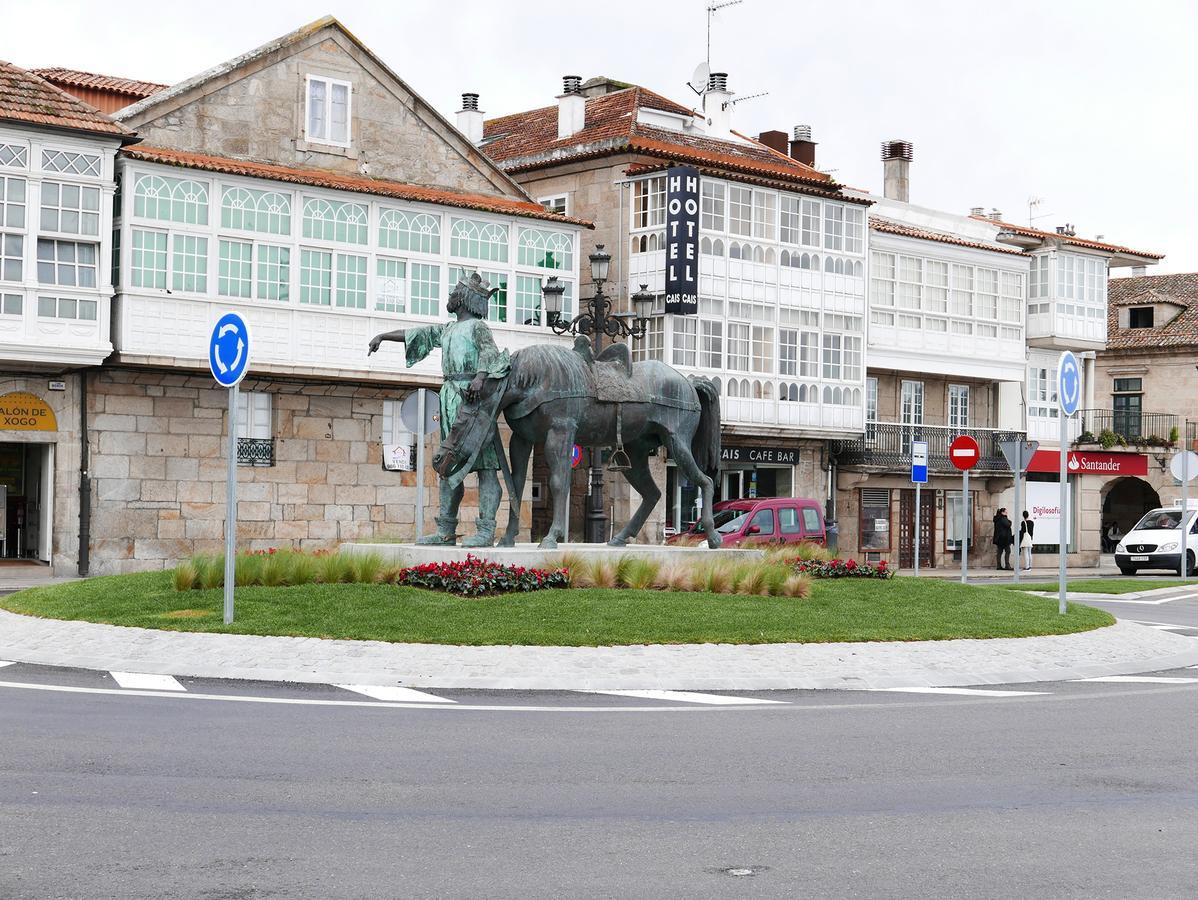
{"x":1088,"y":104}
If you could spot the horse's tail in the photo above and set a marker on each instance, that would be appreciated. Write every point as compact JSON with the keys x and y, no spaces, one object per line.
{"x":705,"y":445}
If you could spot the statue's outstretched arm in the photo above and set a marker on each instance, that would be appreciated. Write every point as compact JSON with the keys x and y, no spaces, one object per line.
{"x":398,"y":335}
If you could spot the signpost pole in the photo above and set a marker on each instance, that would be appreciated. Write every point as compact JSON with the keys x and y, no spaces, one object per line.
{"x":231,"y":508}
{"x":1018,"y":518}
{"x":965,"y":530}
{"x":421,"y":437}
{"x":915,"y":536}
{"x":1063,"y":538}
{"x":1183,"y":544}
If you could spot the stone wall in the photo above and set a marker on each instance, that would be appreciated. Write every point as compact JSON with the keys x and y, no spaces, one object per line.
{"x":158,"y":463}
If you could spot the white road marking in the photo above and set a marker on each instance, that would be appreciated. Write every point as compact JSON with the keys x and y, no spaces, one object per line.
{"x":963,"y":692}
{"x":141,"y":682}
{"x":687,"y":697}
{"x":5,"y":662}
{"x":377,"y":704}
{"x":1115,"y":598}
{"x":393,"y":694}
{"x":1141,"y":679}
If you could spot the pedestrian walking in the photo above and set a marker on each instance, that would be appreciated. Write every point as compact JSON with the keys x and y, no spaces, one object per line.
{"x":1004,"y":537}
{"x":1027,"y":534}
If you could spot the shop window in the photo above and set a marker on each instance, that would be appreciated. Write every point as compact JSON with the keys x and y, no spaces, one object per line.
{"x":875,"y":519}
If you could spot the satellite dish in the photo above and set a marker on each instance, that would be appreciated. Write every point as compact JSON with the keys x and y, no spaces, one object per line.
{"x":698,"y":82}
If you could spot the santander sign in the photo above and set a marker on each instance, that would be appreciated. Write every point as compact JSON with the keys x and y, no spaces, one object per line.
{"x":1087,"y":462}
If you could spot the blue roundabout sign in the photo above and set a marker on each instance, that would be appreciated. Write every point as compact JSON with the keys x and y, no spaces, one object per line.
{"x":229,"y":349}
{"x":1069,"y":383}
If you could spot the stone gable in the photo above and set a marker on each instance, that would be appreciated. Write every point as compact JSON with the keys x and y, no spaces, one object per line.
{"x":255,"y":110}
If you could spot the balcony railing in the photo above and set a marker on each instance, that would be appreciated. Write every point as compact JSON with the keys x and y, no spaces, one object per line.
{"x":1119,"y":427}
{"x":255,"y":451}
{"x":887,"y":446}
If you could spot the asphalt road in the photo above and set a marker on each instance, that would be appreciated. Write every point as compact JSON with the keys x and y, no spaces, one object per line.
{"x":1082,"y":790}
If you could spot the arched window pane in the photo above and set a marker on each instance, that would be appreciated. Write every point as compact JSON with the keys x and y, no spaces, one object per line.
{"x":171,"y":199}
{"x":268,"y":212}
{"x":411,"y":231}
{"x":472,"y":239}
{"x":332,"y":220}
{"x":546,"y":249}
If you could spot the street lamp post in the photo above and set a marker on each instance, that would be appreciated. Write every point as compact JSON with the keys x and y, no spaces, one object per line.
{"x":595,"y":319}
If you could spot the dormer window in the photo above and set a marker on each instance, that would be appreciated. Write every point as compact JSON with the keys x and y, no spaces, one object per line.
{"x":1140,"y":317}
{"x":328,"y":111}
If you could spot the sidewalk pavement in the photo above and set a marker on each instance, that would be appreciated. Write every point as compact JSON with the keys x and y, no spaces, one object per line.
{"x":1121,"y":649}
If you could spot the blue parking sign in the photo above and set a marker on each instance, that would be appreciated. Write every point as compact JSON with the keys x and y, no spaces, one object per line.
{"x":919,"y":462}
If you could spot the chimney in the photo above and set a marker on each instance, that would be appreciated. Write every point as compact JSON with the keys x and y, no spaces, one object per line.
{"x":977,"y":211}
{"x":717,"y":104}
{"x":470,"y":120}
{"x":896,"y":170}
{"x":1066,"y":230}
{"x":995,"y":214}
{"x":775,"y":140}
{"x":1139,"y":271}
{"x":571,"y":107}
{"x":802,"y":148}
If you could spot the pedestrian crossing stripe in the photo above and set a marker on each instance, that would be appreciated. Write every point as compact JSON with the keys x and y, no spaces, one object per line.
{"x":393,"y":694}
{"x":688,"y":697}
{"x":139,"y":681}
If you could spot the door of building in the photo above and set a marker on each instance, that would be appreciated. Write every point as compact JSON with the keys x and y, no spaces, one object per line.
{"x":927,"y":528}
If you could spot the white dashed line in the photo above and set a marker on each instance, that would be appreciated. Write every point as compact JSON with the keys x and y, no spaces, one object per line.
{"x":963,"y":692}
{"x":687,"y":697}
{"x":393,"y":694}
{"x":138,"y":681}
{"x":1140,"y":679}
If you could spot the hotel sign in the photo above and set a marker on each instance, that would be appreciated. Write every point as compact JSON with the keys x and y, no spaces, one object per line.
{"x":22,"y":411}
{"x":682,"y":241}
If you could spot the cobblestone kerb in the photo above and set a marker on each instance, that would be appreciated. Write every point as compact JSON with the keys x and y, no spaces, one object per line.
{"x":1120,"y":649}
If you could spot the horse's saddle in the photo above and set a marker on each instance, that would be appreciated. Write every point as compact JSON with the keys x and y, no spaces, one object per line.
{"x":611,"y":372}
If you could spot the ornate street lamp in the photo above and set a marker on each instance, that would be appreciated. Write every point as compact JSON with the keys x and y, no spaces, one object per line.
{"x":595,"y":318}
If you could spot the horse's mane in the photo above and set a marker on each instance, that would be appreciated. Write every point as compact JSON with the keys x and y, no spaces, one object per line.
{"x":545,"y":363}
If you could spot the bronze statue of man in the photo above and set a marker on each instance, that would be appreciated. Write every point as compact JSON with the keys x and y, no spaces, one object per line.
{"x":468,"y":358}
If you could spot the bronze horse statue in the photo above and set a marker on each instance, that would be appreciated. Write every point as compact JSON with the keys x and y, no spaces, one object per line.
{"x":563,"y":396}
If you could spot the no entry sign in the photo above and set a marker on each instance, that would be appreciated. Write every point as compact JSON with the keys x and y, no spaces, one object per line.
{"x":964,"y":452}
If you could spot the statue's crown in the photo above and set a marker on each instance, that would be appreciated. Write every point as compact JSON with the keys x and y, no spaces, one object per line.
{"x":476,"y":284}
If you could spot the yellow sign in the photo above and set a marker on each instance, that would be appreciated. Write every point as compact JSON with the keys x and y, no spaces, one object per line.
{"x":22,"y":411}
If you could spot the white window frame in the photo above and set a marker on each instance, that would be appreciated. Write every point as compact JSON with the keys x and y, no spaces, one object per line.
{"x":258,"y":407}
{"x":958,"y":406}
{"x":558,"y":203}
{"x":329,"y":84}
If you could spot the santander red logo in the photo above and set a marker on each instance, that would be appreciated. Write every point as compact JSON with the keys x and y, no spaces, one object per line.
{"x":1090,"y":462}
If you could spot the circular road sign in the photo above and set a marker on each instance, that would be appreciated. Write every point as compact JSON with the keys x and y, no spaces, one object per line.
{"x":964,"y":452}
{"x":229,"y":349}
{"x":1176,"y":465}
{"x":1069,"y":383}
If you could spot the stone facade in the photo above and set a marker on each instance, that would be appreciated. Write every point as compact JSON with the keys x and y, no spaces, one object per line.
{"x":66,"y":448}
{"x":158,"y":466}
{"x":256,"y":111}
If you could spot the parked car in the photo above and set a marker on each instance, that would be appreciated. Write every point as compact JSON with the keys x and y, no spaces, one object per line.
{"x":1155,"y":541}
{"x":782,"y":520}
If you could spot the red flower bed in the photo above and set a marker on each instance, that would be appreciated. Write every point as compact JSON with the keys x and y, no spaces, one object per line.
{"x":473,"y":577}
{"x":842,"y":568}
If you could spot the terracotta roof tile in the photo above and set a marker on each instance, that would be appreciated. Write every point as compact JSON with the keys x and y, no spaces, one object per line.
{"x":1180,"y":289}
{"x":889,"y":226}
{"x":529,"y":139}
{"x":1072,"y":240}
{"x":358,"y":184}
{"x":75,"y":78}
{"x":26,"y":97}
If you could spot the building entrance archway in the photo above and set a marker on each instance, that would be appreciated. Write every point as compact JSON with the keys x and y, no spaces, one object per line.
{"x":1124,"y":502}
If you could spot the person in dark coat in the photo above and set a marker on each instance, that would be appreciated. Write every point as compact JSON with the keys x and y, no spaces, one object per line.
{"x":1004,"y":537}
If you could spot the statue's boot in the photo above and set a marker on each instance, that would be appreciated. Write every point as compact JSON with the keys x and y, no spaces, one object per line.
{"x":444,"y":537}
{"x":484,"y":535}
{"x":489,"y":494}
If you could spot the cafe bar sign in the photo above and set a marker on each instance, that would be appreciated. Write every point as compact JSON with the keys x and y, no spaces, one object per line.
{"x":766,"y":456}
{"x":22,"y":411}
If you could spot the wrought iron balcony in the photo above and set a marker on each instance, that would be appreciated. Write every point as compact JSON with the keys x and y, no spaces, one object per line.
{"x":255,"y":451}
{"x":886,"y":446}
{"x":1120,"y":427}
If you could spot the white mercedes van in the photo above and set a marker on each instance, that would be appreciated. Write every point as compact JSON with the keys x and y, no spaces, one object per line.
{"x":1155,"y":542}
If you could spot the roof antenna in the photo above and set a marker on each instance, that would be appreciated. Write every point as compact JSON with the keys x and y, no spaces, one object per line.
{"x":712,"y":9}
{"x":1033,"y":204}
